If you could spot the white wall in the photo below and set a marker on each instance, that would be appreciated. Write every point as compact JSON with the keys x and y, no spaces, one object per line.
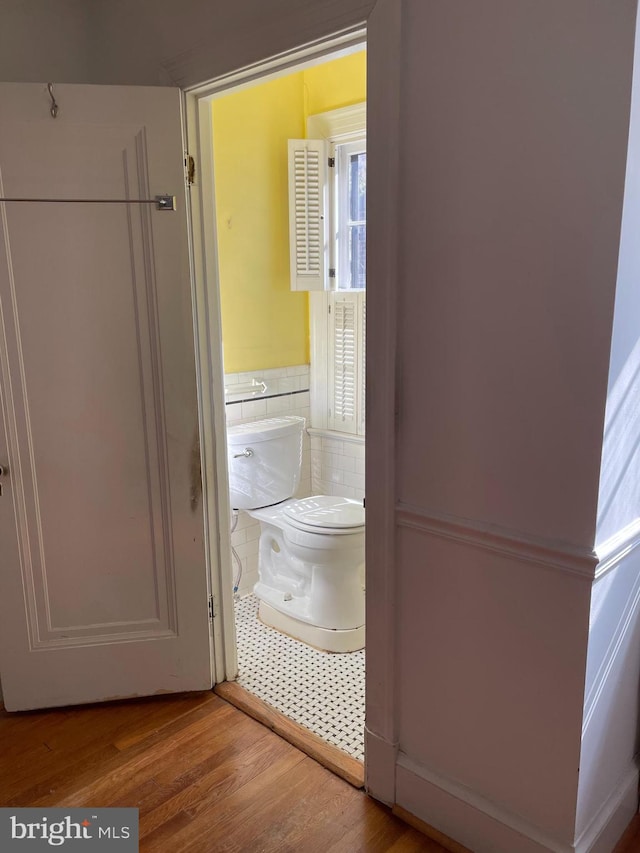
{"x":610,"y":727}
{"x":45,"y":41}
{"x":158,"y":42}
{"x":163,"y":42}
{"x":619,"y":498}
{"x":337,"y":464}
{"x":513,"y":120}
{"x":608,"y":762}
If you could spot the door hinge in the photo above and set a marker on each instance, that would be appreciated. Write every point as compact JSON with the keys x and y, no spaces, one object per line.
{"x":212,"y":612}
{"x":189,"y":169}
{"x":332,"y":272}
{"x":332,"y":162}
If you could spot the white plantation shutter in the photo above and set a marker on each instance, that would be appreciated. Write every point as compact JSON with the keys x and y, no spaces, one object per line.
{"x":308,"y":225}
{"x":362,"y":360}
{"x":345,"y":361}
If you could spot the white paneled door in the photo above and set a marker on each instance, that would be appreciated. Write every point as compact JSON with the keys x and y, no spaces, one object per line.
{"x":103,"y":584}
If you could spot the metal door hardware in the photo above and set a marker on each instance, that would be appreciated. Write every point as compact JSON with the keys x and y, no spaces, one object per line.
{"x":246,"y":452}
{"x":162,"y":202}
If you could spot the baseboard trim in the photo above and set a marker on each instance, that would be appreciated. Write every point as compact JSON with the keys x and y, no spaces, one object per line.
{"x":334,"y":759}
{"x":460,"y":813}
{"x":380,"y":767}
{"x":551,"y":554}
{"x":446,"y":810}
{"x":610,"y":823}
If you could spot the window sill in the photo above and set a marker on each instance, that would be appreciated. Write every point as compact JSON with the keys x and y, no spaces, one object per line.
{"x":335,"y":434}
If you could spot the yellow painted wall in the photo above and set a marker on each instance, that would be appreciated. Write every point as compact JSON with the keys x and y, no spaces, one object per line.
{"x":339,"y":83}
{"x":264,"y":323}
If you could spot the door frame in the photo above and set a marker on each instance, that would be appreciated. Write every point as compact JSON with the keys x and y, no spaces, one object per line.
{"x":207,"y":321}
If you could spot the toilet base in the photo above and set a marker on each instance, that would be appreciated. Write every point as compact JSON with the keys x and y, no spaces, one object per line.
{"x":325,"y":639}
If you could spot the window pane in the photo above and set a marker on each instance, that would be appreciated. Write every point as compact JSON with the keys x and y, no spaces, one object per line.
{"x":358,"y":186}
{"x":357,"y":234}
{"x":358,"y":255}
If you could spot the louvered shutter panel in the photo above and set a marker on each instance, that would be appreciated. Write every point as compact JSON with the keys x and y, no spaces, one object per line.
{"x":344,"y":374}
{"x":362,"y":360}
{"x":308,"y":226}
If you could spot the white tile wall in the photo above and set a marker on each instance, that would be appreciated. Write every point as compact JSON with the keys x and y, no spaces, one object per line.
{"x":294,"y":383}
{"x":337,"y":464}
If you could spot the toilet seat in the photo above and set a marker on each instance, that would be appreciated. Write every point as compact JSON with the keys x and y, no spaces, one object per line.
{"x":325,"y":514}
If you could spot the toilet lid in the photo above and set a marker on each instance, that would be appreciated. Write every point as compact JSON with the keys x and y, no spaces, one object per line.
{"x":326,"y":511}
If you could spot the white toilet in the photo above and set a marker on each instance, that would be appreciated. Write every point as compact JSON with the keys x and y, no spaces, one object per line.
{"x":311,"y":557}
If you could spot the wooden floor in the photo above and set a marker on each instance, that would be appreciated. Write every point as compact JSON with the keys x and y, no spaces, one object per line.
{"x":205,"y":776}
{"x":630,"y":842}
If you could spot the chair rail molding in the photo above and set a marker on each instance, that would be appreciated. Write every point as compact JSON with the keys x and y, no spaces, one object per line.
{"x":614,"y":550}
{"x":549,"y":553}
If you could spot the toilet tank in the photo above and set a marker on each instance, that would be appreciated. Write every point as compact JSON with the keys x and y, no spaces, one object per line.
{"x":265,"y":458}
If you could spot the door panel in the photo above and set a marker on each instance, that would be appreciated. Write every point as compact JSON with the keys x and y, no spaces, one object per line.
{"x":104,"y":586}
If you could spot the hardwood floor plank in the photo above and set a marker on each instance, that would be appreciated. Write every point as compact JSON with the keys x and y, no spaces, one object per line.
{"x":439,"y":837}
{"x":67,"y":769}
{"x":373,"y":828}
{"x":212,"y":787}
{"x":630,"y":841}
{"x":413,"y":842}
{"x":214,"y":818}
{"x":328,"y":755}
{"x":254,"y":814}
{"x":45,"y":791}
{"x":315,"y":811}
{"x":131,"y":767}
{"x":170,"y":714}
{"x":205,"y":777}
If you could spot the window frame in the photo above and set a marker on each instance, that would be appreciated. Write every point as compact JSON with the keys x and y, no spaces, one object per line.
{"x":342,"y":152}
{"x":337,"y":127}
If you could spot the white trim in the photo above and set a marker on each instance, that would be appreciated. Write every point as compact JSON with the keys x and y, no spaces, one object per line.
{"x":342,"y":125}
{"x":607,"y":827}
{"x":340,"y":44}
{"x":466,"y":816}
{"x":613,"y":550}
{"x":210,"y":382}
{"x":384,"y":135}
{"x":600,"y":683}
{"x":338,"y":436}
{"x":549,"y":553}
{"x":318,"y":370}
{"x":343,"y":151}
{"x":380,"y":767}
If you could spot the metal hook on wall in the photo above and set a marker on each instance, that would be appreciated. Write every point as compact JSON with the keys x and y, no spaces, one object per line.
{"x":54,"y":106}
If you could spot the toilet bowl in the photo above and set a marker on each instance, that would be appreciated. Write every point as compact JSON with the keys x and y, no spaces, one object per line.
{"x":311,"y":551}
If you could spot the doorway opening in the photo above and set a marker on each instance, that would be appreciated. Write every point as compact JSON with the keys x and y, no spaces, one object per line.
{"x":292,"y":349}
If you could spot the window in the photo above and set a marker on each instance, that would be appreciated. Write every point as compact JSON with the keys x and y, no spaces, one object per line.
{"x":328,"y":240}
{"x":351,"y":225}
{"x":346,"y":361}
